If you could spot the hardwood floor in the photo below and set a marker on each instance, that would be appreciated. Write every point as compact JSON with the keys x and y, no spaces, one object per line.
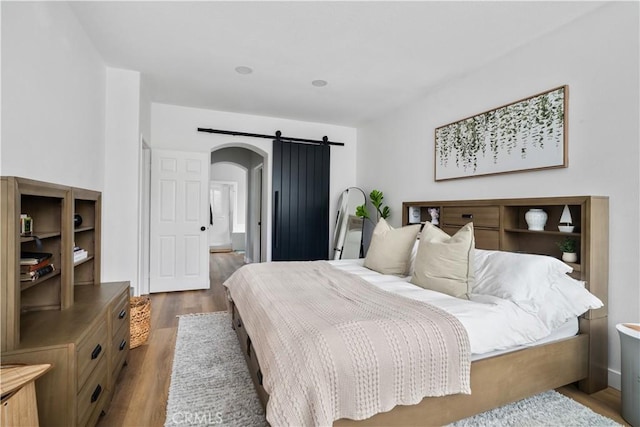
{"x":141,"y":393}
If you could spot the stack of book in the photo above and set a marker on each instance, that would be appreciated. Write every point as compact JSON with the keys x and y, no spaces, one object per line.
{"x":34,"y":265}
{"x":79,"y":254}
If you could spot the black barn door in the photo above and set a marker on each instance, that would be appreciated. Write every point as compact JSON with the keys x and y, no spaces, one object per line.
{"x":300,"y":201}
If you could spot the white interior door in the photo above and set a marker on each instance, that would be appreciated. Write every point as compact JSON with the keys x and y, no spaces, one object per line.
{"x":221,"y":212}
{"x":179,"y":218}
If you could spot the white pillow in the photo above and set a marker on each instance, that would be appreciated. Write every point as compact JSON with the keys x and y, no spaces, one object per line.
{"x":445,"y":263}
{"x":566,"y":298}
{"x":390,"y":248}
{"x":522,"y":278}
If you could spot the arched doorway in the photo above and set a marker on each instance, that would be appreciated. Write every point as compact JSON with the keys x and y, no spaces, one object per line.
{"x":248,"y":196}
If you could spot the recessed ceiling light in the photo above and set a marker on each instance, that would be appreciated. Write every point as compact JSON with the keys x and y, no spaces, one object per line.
{"x":319,"y":83}
{"x":244,"y":70}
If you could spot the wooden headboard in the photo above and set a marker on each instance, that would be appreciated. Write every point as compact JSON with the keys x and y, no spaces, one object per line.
{"x":500,"y":224}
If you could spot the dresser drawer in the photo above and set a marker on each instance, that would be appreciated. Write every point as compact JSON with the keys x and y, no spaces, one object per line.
{"x":120,"y":312}
{"x":484,"y":239}
{"x":91,"y":395}
{"x":120,"y":349}
{"x":91,"y":351}
{"x":481,"y":216}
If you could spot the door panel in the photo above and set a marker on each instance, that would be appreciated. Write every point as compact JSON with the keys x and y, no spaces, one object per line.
{"x":179,"y":258}
{"x":301,"y":201}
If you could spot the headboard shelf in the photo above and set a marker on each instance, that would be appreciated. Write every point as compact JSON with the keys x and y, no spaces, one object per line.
{"x":500,"y":225}
{"x":547,"y":232}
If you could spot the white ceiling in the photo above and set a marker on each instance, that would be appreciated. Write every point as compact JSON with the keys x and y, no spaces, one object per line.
{"x":376,"y":56}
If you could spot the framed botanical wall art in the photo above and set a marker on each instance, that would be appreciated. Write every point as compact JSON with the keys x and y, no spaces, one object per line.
{"x":529,"y":134}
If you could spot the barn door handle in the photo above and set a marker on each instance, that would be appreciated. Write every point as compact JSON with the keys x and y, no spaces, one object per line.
{"x":122,"y":314}
{"x":276,"y":203}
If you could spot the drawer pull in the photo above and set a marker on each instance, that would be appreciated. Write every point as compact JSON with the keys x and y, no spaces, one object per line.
{"x":96,"y":393}
{"x":467,"y":216}
{"x":123,"y":344}
{"x":239,"y":324}
{"x":96,"y":352}
{"x":122,"y":314}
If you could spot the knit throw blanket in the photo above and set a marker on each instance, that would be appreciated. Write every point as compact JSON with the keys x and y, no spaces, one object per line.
{"x":331,"y":345}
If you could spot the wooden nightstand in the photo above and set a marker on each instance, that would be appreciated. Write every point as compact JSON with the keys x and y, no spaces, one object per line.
{"x":18,"y":406}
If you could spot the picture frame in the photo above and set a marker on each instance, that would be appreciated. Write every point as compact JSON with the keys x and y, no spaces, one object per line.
{"x":525,"y":135}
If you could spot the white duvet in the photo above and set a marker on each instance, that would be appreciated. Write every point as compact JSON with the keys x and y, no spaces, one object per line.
{"x":493,"y":324}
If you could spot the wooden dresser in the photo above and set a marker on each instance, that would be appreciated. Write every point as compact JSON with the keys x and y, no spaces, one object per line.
{"x":87,"y":345}
{"x":66,"y":317}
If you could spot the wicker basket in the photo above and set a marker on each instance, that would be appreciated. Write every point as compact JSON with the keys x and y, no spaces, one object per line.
{"x":140,"y":308}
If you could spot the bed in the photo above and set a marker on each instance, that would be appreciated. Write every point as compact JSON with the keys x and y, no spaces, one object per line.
{"x":499,"y":371}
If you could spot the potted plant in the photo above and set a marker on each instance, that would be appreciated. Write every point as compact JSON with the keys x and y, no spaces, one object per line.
{"x":568,"y":246}
{"x":376,"y":197}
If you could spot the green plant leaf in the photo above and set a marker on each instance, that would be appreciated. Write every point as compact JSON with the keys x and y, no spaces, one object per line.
{"x":376,"y":198}
{"x":386,"y":212}
{"x":567,"y":245}
{"x":361,"y":211}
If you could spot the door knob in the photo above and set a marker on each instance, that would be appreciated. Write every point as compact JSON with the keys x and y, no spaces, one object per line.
{"x":203,"y":228}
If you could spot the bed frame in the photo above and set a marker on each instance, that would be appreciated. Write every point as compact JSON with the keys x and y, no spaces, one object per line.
{"x":496,"y":381}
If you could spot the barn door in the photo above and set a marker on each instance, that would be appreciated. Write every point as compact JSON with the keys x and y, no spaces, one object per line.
{"x":300,"y":201}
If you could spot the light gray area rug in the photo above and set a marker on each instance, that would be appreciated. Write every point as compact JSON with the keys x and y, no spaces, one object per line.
{"x":210,"y":382}
{"x":210,"y":385}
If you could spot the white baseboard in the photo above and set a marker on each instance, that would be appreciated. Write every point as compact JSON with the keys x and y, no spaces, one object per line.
{"x":615,"y":379}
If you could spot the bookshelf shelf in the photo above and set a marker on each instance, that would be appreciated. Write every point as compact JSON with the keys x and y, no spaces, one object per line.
{"x":82,"y":261}
{"x":83,"y":229}
{"x":38,"y":235}
{"x":544,"y":232}
{"x":24,"y":285}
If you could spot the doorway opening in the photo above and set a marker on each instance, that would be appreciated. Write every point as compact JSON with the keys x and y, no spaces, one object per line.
{"x":224,"y":204}
{"x":237,"y":203}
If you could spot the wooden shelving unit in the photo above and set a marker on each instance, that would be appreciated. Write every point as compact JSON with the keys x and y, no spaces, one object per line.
{"x":48,"y":206}
{"x":500,"y":224}
{"x":87,"y":204}
{"x":64,"y":318}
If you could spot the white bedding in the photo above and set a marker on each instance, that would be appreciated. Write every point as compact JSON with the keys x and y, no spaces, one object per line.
{"x":493,"y":324}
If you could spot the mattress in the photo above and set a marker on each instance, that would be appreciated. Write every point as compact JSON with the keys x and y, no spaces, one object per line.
{"x":494,"y":325}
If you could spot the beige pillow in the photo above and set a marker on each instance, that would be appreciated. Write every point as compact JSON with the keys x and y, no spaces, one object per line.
{"x":390,"y":248}
{"x":443,"y":263}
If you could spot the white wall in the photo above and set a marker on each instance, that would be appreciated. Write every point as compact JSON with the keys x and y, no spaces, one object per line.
{"x":82,"y":126}
{"x":53,"y":97}
{"x":597,"y":56}
{"x":175,"y":128}
{"x":121,"y":199}
{"x":229,"y":172}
